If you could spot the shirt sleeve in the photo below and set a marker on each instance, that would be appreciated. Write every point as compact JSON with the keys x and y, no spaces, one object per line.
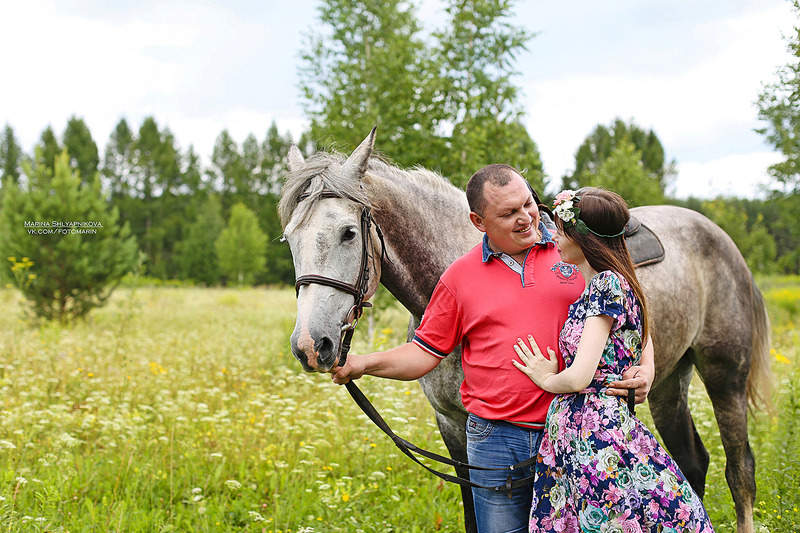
{"x":606,"y":297}
{"x":440,"y":330}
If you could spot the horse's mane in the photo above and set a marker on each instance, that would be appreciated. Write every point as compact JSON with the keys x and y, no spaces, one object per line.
{"x":317,"y":175}
{"x":311,"y":179}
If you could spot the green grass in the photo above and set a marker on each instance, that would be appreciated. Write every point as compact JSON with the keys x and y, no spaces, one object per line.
{"x":181,"y":409}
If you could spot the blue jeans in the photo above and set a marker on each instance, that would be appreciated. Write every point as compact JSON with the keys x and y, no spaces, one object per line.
{"x":499,"y":444}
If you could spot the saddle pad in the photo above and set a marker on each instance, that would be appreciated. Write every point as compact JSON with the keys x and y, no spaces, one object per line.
{"x":644,"y":246}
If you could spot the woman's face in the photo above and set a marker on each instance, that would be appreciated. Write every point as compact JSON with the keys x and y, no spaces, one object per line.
{"x":569,"y":249}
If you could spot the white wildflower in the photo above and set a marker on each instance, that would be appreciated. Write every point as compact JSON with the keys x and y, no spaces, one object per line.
{"x":68,"y":440}
{"x":233,"y":484}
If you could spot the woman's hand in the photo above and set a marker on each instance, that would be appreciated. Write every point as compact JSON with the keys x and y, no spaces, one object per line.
{"x":536,"y":366}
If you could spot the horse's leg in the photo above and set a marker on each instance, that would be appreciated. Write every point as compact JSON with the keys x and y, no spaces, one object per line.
{"x":724,"y":368}
{"x":454,"y":436}
{"x":670,"y":410}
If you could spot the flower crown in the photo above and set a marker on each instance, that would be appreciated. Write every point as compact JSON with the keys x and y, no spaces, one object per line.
{"x":566,"y":208}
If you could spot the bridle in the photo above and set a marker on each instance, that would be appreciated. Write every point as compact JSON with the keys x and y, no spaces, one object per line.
{"x":359,"y":289}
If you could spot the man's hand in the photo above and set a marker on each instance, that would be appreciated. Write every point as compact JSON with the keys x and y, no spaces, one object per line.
{"x":639,"y":378}
{"x":352,"y":369}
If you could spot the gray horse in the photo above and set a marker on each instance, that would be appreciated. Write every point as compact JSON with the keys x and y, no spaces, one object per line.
{"x":705,"y":309}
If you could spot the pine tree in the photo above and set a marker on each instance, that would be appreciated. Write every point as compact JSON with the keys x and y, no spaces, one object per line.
{"x":117,"y":161}
{"x":229,"y":173}
{"x":81,"y":148}
{"x":65,"y":269}
{"x":48,"y":149}
{"x":10,"y":156}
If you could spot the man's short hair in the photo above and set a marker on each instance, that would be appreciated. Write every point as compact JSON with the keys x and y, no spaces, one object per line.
{"x":497,"y":174}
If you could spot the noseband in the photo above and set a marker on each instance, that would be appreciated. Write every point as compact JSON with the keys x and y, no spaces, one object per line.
{"x":359,"y":289}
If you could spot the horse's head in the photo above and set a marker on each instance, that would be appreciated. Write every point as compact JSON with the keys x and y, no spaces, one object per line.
{"x":326,"y":217}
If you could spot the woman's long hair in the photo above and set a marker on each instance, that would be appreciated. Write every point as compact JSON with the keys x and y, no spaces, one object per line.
{"x":605,"y":212}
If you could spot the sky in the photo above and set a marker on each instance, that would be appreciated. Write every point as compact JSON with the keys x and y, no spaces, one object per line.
{"x":691,"y":71}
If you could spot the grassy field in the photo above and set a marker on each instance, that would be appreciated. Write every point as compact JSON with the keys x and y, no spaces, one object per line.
{"x":181,"y":409}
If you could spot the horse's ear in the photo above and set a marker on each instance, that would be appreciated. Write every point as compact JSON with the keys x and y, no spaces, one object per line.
{"x":356,"y":164}
{"x":295,"y":158}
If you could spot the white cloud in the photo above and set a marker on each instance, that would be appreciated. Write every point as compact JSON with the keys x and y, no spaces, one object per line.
{"x":741,"y":175}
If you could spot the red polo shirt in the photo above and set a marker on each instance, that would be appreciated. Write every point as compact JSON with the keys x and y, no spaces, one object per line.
{"x":481,"y":303}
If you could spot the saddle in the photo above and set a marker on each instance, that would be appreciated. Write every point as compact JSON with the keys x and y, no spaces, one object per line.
{"x":644,"y":246}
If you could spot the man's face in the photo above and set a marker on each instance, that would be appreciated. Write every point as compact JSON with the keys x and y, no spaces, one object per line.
{"x":510,"y":218}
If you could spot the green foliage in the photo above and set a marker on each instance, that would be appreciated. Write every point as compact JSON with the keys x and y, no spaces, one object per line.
{"x":196,"y":258}
{"x":369,"y":66}
{"x":779,"y":107}
{"x":229,"y":171}
{"x":751,"y":236}
{"x":766,"y":231}
{"x":240,"y":247}
{"x":782,"y":213}
{"x":447,"y":103}
{"x":81,"y":148}
{"x":117,"y":162}
{"x":151,"y":183}
{"x":10,"y":155}
{"x":602,"y":142}
{"x":47,"y":149}
{"x":74,"y":268}
{"x":475,"y":55}
{"x":623,"y":172}
{"x":272,"y":164}
{"x":279,"y":268}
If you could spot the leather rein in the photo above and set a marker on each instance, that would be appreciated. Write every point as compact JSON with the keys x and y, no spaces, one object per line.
{"x":359,"y":290}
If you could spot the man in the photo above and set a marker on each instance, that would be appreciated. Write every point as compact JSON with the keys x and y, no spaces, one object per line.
{"x":512,"y":285}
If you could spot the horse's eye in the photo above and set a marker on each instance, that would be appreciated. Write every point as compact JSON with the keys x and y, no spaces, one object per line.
{"x":348,"y":234}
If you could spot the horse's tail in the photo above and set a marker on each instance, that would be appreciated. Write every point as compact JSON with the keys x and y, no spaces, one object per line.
{"x":759,"y":380}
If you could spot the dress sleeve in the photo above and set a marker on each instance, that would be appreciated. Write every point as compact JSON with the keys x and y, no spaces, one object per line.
{"x":440,"y":330}
{"x":606,"y":297}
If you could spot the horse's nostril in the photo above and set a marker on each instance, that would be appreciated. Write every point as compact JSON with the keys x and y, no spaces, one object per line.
{"x":325,"y":345}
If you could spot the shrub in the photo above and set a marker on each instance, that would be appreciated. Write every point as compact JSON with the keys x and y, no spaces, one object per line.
{"x":66,"y":251}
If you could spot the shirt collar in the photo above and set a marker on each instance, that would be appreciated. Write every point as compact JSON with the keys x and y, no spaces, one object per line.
{"x":547,"y":239}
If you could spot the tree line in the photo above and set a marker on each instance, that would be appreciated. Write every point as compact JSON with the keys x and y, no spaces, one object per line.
{"x":446,"y":99}
{"x":176,"y":209}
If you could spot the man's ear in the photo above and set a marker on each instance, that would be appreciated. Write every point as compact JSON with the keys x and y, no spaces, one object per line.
{"x":477,"y":221}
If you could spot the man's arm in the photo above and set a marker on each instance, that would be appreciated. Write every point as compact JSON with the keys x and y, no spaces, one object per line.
{"x":406,"y":362}
{"x":637,"y":377}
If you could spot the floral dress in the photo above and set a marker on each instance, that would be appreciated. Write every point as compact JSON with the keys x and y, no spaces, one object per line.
{"x":599,"y":468}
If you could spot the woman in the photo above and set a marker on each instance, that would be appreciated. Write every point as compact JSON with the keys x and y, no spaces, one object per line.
{"x":599,"y":467}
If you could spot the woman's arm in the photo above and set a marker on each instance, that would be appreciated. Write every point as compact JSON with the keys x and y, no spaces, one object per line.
{"x":579,"y":374}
